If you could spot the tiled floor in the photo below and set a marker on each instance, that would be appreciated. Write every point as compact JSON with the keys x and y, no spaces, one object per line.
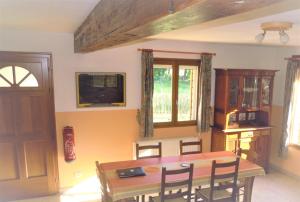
{"x":275,"y":187}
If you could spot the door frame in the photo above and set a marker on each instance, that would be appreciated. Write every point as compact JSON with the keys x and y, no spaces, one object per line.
{"x":52,"y":122}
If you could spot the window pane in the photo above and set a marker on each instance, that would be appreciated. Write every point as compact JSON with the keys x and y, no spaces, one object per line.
{"x":30,"y":81}
{"x":250,"y":98}
{"x":3,"y":83}
{"x":187,"y":93}
{"x":233,"y":92}
{"x":162,"y":95}
{"x":266,"y":85}
{"x":7,"y":72}
{"x":20,"y":73}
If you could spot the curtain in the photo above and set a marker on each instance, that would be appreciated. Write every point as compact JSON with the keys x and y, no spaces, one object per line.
{"x":145,"y":114}
{"x":291,"y":102}
{"x":204,"y":94}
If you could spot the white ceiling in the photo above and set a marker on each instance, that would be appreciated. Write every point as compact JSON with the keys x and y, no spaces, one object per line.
{"x":44,"y":15}
{"x":241,"y":32}
{"x":67,"y":15}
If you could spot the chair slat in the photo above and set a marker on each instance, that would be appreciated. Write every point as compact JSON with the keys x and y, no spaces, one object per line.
{"x":191,"y":152}
{"x":148,"y":147}
{"x":224,"y":186}
{"x":177,"y":184}
{"x":178,"y":171}
{"x":147,"y":157}
{"x":225,"y":176}
{"x":227,"y":164}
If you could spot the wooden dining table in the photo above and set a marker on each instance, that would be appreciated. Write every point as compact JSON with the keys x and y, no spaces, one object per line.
{"x":114,"y":188}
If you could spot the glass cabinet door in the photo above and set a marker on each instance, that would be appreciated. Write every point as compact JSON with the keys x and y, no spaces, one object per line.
{"x":266,"y":90}
{"x":233,"y":98}
{"x":250,"y":93}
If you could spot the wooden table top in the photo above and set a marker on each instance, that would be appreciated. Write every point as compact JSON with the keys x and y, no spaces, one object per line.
{"x":128,"y":187}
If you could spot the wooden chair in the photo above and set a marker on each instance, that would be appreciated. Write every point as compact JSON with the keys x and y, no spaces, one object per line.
{"x":251,"y":156}
{"x":138,"y":149}
{"x":103,"y":186}
{"x":197,"y":144}
{"x":168,"y":186}
{"x":192,"y":143}
{"x":148,"y":147}
{"x":221,"y":192}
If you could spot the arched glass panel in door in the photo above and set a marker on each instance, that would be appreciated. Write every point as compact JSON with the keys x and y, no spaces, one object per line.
{"x":17,"y":76}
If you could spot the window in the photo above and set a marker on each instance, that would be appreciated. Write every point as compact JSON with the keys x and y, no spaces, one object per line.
{"x":175,"y":92}
{"x":17,"y":76}
{"x":294,"y":113}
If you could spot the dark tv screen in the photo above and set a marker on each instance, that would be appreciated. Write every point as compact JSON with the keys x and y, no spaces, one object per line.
{"x":100,"y":89}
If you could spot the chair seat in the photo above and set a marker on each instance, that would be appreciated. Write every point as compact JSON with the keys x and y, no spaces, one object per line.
{"x":218,"y":194}
{"x":240,"y":184}
{"x":157,"y":199}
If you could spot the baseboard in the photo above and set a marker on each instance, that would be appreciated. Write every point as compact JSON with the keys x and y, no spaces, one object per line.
{"x":284,"y":171}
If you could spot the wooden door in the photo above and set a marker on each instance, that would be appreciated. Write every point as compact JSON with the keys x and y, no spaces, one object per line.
{"x":28,"y":153}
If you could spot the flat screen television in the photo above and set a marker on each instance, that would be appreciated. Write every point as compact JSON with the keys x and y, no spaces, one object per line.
{"x":99,"y":89}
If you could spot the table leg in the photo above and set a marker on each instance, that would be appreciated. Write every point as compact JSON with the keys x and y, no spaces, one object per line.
{"x":248,"y":189}
{"x":106,"y":199}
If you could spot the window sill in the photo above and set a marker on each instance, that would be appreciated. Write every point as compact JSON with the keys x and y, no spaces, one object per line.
{"x":173,"y":125}
{"x":141,"y":139}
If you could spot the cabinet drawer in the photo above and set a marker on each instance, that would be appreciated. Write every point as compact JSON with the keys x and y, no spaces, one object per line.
{"x":248,"y":134}
{"x":232,"y":137}
{"x":245,"y":143}
{"x":231,"y":142}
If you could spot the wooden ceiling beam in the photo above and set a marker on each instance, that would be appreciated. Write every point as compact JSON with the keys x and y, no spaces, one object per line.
{"x":115,"y":22}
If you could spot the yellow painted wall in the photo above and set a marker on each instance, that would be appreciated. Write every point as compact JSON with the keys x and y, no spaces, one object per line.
{"x":99,"y":135}
{"x":110,"y":136}
{"x":105,"y":136}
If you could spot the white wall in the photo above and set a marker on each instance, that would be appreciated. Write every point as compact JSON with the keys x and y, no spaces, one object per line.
{"x":127,"y":59}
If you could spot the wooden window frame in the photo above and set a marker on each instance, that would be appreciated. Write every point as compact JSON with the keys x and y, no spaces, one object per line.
{"x":175,"y":73}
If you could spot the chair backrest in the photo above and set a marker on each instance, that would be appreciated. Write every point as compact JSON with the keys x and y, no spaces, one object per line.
{"x":188,"y":144}
{"x":230,"y":177}
{"x":139,"y":148}
{"x":184,"y":184}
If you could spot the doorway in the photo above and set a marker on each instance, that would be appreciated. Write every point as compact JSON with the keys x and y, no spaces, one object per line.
{"x":28,"y":151}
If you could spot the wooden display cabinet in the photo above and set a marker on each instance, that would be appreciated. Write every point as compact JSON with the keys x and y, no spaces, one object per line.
{"x":243,"y":104}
